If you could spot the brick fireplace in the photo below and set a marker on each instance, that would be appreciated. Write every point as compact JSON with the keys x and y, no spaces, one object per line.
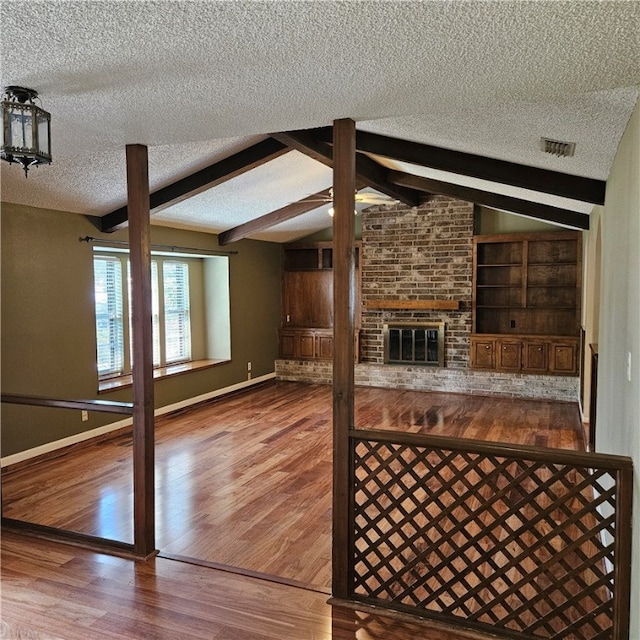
{"x":409,"y":256}
{"x":425,"y":253}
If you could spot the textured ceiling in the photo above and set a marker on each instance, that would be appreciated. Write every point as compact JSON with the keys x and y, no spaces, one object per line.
{"x":197,"y":81}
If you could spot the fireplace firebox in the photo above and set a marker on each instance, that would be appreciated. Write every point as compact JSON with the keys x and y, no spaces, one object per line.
{"x":414,"y":343}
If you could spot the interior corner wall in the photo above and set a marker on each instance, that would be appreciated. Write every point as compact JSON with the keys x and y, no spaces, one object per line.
{"x":618,"y":408}
{"x":48,"y":321}
{"x":591,"y":265}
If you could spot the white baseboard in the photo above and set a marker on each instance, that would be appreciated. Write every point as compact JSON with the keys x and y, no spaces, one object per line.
{"x":114,"y":426}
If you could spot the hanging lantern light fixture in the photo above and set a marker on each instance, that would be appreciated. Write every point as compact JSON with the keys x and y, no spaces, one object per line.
{"x":26,"y":129}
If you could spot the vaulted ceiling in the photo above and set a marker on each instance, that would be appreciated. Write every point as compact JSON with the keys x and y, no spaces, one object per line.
{"x":235,"y":101}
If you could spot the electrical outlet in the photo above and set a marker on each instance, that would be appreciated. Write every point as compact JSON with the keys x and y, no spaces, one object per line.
{"x":85,"y":416}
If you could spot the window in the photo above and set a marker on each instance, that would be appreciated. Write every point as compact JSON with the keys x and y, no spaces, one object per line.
{"x":177,"y":325}
{"x":109,"y":315}
{"x":171,"y":312}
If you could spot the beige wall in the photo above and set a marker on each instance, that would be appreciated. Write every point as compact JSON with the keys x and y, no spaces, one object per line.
{"x":48,"y":325}
{"x":618,"y":414}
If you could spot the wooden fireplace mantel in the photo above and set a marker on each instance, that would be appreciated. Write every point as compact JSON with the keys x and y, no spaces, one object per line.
{"x":449,"y":305}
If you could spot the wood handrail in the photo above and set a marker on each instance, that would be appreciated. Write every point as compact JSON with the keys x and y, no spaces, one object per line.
{"x":103,"y":406}
{"x":528,"y":452}
{"x":470,"y":495}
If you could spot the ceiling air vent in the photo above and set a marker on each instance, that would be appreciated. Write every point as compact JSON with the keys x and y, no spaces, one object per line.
{"x":557,"y":147}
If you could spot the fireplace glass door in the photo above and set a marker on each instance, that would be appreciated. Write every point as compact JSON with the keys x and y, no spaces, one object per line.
{"x":414,"y":344}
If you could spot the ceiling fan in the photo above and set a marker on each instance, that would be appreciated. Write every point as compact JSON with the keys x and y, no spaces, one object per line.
{"x":367,"y":197}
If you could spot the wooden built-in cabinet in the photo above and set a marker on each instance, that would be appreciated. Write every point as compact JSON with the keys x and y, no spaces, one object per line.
{"x":306,"y":344}
{"x":526,"y":302}
{"x":307,"y":301}
{"x":525,"y":354}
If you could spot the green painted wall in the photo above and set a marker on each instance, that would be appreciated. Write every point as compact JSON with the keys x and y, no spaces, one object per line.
{"x":492,"y":221}
{"x":48,"y":330}
{"x":489,"y":221}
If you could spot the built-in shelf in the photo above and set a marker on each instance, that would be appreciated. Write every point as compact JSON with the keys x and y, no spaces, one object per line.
{"x":448,"y":305}
{"x":526,"y":302}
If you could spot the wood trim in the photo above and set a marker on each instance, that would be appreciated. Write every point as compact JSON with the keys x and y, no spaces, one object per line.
{"x":369,"y":171}
{"x":468,"y":164}
{"x":249,"y":573}
{"x":453,"y":632}
{"x":124,"y":382}
{"x":344,"y":181}
{"x":593,"y":398}
{"x":536,"y":210}
{"x":143,"y":396}
{"x":624,"y":544}
{"x":91,"y":543}
{"x":498,"y":449}
{"x":274,"y":217}
{"x":450,"y":305}
{"x":103,"y":406}
{"x":211,"y":176}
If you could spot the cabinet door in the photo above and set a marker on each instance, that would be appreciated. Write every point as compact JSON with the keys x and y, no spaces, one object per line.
{"x":324,"y":347}
{"x":308,"y":299}
{"x":536,"y":357}
{"x":508,"y":354}
{"x":564,"y":358}
{"x":482,"y":353}
{"x":306,"y":345}
{"x":287,"y":345}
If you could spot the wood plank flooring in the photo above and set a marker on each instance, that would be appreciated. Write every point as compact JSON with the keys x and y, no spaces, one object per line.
{"x":245,"y":481}
{"x":56,"y":592}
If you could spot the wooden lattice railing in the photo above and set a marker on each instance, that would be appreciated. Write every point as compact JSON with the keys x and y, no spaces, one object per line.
{"x":525,"y":542}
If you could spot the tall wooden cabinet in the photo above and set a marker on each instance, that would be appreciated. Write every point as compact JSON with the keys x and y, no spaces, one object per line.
{"x":307,"y":301}
{"x":526,"y":302}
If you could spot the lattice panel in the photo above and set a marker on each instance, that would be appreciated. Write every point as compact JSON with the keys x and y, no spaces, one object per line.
{"x":512,"y":544}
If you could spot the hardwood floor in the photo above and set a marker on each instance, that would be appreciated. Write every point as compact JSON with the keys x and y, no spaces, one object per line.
{"x":56,"y":592}
{"x":245,"y":481}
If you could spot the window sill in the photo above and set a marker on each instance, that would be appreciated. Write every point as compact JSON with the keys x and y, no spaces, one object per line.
{"x":123,"y":382}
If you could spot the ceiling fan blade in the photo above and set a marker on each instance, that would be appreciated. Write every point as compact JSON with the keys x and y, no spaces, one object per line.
{"x":374,"y":198}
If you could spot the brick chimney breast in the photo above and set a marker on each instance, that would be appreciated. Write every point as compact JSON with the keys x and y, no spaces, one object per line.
{"x":420,"y":253}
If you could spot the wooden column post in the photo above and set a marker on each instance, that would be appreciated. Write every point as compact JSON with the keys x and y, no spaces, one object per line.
{"x":344,"y":183}
{"x":143,"y":405}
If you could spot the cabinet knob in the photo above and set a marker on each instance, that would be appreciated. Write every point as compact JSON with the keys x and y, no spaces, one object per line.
{"x":504,"y":348}
{"x":486,"y":346}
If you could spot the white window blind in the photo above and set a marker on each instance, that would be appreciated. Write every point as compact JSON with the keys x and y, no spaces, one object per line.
{"x":170,"y":307}
{"x":177,"y":323}
{"x":109,"y":315}
{"x":155,"y":313}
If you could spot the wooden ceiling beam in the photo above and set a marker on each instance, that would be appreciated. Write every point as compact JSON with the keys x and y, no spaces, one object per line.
{"x":475,"y":166}
{"x":368,"y":171}
{"x":515,"y":205}
{"x":211,"y":176}
{"x":274,"y":217}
